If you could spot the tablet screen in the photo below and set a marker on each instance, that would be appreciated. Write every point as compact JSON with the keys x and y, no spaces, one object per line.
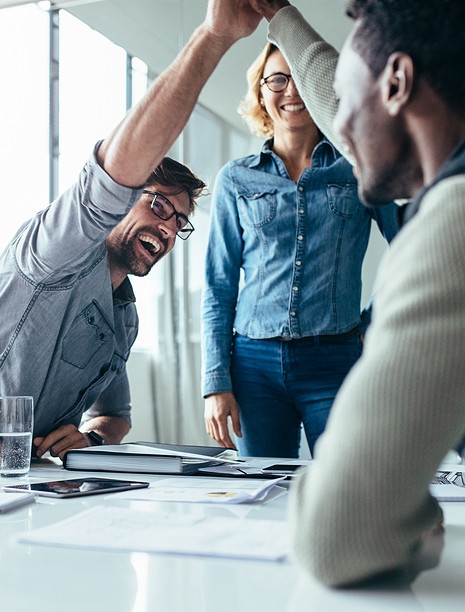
{"x":76,"y":487}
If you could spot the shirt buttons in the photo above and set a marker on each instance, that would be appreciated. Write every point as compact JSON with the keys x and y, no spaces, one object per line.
{"x":295,"y":289}
{"x":301,"y":211}
{"x":292,"y":313}
{"x":298,"y":263}
{"x":300,"y":237}
{"x":300,"y":188}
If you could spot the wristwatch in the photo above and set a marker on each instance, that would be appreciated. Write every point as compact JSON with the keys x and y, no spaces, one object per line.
{"x":94,"y":437}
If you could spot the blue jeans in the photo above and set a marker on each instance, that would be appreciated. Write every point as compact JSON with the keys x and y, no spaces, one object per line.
{"x":281,"y":385}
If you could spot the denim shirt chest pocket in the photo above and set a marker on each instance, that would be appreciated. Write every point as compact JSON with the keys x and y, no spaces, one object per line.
{"x":88,"y":333}
{"x":256,"y":204}
{"x":343,"y":199}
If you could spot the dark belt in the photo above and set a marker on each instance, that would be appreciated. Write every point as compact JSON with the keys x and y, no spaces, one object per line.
{"x":324,"y":339}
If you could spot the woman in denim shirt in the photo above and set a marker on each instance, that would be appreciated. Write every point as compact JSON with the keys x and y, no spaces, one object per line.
{"x":281,"y":305}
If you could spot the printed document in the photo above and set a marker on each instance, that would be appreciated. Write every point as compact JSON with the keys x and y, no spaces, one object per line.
{"x":448,"y":486}
{"x":205,"y":490}
{"x":132,"y":530}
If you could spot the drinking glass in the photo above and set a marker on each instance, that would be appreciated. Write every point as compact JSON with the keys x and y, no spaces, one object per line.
{"x":16,"y":419}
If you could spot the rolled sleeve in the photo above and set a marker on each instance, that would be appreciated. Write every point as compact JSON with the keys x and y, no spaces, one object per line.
{"x":114,"y":401}
{"x":313,"y":65}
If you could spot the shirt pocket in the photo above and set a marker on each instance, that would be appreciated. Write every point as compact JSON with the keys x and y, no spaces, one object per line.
{"x":257,"y":207}
{"x":88,"y":333}
{"x":343,"y":199}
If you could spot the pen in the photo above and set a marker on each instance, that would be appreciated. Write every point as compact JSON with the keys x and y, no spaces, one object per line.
{"x":13,"y":500}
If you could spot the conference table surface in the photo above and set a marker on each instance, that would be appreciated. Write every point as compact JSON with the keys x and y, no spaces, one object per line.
{"x":44,"y":577}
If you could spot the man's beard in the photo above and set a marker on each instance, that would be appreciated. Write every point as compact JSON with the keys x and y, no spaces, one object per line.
{"x":124,"y":257}
{"x":400,"y":181}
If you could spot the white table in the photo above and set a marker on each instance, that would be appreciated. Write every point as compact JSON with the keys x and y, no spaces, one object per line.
{"x":45,"y":578}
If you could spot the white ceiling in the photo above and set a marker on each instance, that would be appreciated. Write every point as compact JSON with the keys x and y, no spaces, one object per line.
{"x":155,"y":30}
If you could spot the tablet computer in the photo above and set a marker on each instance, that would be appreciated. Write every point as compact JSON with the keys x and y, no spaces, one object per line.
{"x":76,"y":487}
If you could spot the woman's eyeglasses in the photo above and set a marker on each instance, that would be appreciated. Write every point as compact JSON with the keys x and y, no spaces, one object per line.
{"x":276,"y":82}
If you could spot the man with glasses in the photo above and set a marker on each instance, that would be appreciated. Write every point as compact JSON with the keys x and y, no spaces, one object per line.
{"x":68,"y":313}
{"x":163,"y":208}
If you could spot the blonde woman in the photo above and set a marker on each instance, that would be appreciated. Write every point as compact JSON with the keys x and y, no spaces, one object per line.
{"x":281,"y":307}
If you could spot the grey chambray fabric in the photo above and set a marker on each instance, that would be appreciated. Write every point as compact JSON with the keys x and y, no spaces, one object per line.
{"x":65,"y":335}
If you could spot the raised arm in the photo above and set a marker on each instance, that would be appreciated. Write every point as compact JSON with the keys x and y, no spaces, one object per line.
{"x":312,"y":61}
{"x":138,"y":144}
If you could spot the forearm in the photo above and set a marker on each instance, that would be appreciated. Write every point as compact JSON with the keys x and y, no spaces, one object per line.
{"x":216,"y":360}
{"x":313,"y":64}
{"x":344,"y":536}
{"x":112,"y":429}
{"x":221,"y":285}
{"x":364,"y":507}
{"x":144,"y":136}
{"x":142,"y":139}
{"x":217,"y":335}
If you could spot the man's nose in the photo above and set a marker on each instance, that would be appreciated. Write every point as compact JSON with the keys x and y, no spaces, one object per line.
{"x":169,"y":226}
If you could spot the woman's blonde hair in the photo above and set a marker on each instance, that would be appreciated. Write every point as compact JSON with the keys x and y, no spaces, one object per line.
{"x":251,"y":109}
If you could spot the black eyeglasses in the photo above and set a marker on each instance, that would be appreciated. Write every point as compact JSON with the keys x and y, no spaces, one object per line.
{"x":276,"y":82}
{"x":163,"y":209}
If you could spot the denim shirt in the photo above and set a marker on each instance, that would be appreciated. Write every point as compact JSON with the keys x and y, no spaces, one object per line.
{"x":65,"y":335}
{"x":284,"y":258}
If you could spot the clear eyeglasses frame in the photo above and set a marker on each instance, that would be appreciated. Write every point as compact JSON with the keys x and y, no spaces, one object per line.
{"x":164,"y":209}
{"x":276,"y":82}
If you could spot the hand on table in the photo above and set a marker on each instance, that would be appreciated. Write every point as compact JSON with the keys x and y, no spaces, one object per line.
{"x":60,"y":440}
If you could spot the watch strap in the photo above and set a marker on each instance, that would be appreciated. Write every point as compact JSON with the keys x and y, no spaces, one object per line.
{"x":94,"y":437}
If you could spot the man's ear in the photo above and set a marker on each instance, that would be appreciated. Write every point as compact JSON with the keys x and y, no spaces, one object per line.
{"x":397,"y":82}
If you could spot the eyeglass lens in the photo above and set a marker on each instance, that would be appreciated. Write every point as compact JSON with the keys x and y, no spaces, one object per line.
{"x":277,"y":82}
{"x":163,"y":208}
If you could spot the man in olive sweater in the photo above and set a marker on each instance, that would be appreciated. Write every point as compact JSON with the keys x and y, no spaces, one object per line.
{"x":363,"y":509}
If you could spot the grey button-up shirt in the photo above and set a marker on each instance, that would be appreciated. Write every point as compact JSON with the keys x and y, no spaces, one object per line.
{"x":65,"y":336}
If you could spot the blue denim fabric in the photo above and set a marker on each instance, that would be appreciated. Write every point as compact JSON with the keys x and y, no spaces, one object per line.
{"x":284,"y":258}
{"x":282,"y":385}
{"x":65,"y":336}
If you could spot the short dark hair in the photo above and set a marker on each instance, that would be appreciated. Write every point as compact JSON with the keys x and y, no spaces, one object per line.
{"x":431,"y":32}
{"x":171,"y":173}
